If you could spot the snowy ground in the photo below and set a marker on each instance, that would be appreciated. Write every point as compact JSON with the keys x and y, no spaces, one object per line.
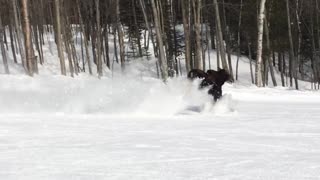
{"x":60,"y":128}
{"x":282,"y":143}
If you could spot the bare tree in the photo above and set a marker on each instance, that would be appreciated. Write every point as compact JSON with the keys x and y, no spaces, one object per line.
{"x":99,"y":63}
{"x":2,"y":48}
{"x":197,"y":19}
{"x":163,"y":60}
{"x":59,"y":38}
{"x":19,"y":33}
{"x":85,"y":37}
{"x":268,"y":62}
{"x":250,"y":64}
{"x":239,"y":39}
{"x":291,"y":52}
{"x":220,"y":37}
{"x":186,"y":26}
{"x":27,"y":37}
{"x":259,"y":64}
{"x":121,"y":36}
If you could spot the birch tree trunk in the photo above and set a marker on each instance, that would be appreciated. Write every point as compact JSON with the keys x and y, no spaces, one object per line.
{"x":27,"y":37}
{"x":259,"y":63}
{"x":59,"y":39}
{"x":145,"y":17}
{"x":220,"y":37}
{"x":163,"y":61}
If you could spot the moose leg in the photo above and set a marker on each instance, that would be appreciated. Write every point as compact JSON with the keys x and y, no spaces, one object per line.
{"x":215,"y":91}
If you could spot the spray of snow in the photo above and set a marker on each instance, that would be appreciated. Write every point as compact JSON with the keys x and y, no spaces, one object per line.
{"x":88,"y":95}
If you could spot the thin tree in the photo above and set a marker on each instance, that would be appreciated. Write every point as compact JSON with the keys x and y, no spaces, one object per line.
{"x":163,"y":60}
{"x":186,"y":27}
{"x":259,"y":64}
{"x":250,"y":64}
{"x":2,"y":48}
{"x":145,"y":17}
{"x":59,"y":38}
{"x":27,"y":37}
{"x":291,"y":52}
{"x":12,"y":44}
{"x":220,"y":37}
{"x":197,"y":22}
{"x":19,"y":33}
{"x":120,"y":36}
{"x":99,"y":63}
{"x":297,"y":61}
{"x":85,"y":37}
{"x":239,"y":39}
{"x":268,"y":62}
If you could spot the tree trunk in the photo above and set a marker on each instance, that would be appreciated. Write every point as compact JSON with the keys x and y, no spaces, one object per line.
{"x":282,"y":68}
{"x":2,"y":48}
{"x":85,"y":37}
{"x":291,"y":52}
{"x":186,"y":27}
{"x":269,"y":62}
{"x":145,"y":17}
{"x":318,"y":37}
{"x":259,"y":69}
{"x":19,"y":34}
{"x":121,"y":37}
{"x":98,"y":35}
{"x":313,"y":58}
{"x":227,"y":37}
{"x":27,"y":37}
{"x":163,"y":61}
{"x":12,"y":44}
{"x":59,"y":39}
{"x":197,"y":22}
{"x":250,"y":59}
{"x":220,"y":37}
{"x":297,"y":61}
{"x":106,"y":44}
{"x":239,"y":39}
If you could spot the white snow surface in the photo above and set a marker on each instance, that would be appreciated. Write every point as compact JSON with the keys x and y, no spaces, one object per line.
{"x":133,"y":126}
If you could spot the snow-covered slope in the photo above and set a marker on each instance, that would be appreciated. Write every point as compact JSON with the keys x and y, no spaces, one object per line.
{"x":262,"y":138}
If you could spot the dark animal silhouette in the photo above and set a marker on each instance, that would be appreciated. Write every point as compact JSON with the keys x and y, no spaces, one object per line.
{"x":216,"y":77}
{"x":197,"y":73}
{"x":212,"y":78}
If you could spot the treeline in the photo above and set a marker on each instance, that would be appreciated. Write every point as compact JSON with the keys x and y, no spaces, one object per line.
{"x":280,"y":35}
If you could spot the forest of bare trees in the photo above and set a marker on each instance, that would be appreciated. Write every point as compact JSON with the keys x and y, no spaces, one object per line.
{"x":277,"y":35}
